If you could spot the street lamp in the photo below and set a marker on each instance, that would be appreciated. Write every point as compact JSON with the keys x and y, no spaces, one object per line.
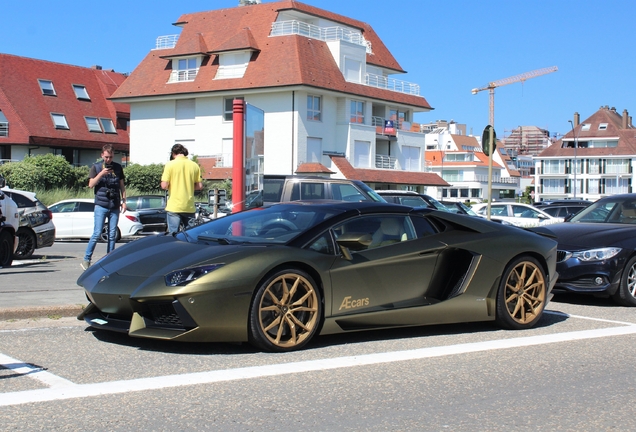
{"x":576,"y":144}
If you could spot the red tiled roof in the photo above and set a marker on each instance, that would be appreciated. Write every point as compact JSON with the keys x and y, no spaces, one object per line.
{"x":240,"y":41}
{"x":28,"y":111}
{"x":386,"y":176}
{"x":209,"y":170}
{"x":313,"y":168}
{"x":282,"y":61}
{"x":192,"y":46}
{"x":626,"y":137}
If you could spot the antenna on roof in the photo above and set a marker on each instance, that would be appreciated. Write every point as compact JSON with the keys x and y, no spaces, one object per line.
{"x":248,"y":2}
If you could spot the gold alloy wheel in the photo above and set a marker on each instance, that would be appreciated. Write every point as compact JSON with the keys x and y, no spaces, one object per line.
{"x":288,"y":310}
{"x":525,"y":292}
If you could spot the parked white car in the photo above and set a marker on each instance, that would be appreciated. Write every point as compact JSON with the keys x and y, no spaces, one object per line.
{"x":521,"y":215}
{"x":74,"y":218}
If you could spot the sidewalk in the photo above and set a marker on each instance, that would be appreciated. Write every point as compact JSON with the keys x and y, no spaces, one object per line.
{"x":45,"y":286}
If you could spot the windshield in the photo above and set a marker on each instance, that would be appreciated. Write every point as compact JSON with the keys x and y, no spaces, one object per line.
{"x":609,"y":210}
{"x":276,"y":224}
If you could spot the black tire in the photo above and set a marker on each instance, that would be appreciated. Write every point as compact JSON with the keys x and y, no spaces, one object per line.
{"x":26,"y":244}
{"x":626,"y":293}
{"x":286,"y":311}
{"x":522,"y":293}
{"x":103,"y":237}
{"x":6,"y":249}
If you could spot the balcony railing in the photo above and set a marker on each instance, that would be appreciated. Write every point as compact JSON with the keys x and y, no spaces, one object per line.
{"x":505,"y":180}
{"x":183,"y":75}
{"x":385,"y":162}
{"x":378,"y":122}
{"x":166,"y":42}
{"x":327,"y":34}
{"x":392,"y":84}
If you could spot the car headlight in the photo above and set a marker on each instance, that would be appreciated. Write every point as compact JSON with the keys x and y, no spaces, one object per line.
{"x":185,"y":276}
{"x":596,"y":254}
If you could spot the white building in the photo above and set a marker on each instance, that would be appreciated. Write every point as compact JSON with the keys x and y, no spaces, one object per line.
{"x":324,"y":82}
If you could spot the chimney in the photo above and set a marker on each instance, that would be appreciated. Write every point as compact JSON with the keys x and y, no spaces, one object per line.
{"x":97,"y":67}
{"x":577,"y":119}
{"x":625,"y":119}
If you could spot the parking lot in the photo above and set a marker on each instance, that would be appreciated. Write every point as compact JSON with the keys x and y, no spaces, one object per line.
{"x":570,"y":372}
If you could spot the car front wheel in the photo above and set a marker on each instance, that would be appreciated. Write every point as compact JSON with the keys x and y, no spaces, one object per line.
{"x":522,"y":294}
{"x":626,"y":293}
{"x":26,"y":244}
{"x":6,"y":249}
{"x":286,"y":311}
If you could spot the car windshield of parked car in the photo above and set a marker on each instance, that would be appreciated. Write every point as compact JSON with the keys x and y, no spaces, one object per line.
{"x":275,"y":224}
{"x":609,"y":210}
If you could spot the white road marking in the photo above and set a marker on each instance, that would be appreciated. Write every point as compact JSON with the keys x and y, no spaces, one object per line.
{"x":71,"y":391}
{"x":37,"y":373}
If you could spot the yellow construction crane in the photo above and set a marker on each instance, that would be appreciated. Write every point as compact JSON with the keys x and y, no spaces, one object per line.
{"x":502,"y":82}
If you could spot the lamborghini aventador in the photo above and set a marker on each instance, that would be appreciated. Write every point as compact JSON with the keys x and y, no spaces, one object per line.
{"x":279,"y":276}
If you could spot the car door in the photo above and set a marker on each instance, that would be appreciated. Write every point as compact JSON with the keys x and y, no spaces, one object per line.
{"x":385,"y":275}
{"x":83,"y":219}
{"x":63,"y":215}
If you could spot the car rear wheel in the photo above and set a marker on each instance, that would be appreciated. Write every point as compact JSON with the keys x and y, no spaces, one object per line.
{"x":286,"y":311}
{"x":6,"y":249}
{"x":104,"y":235}
{"x":522,"y":294}
{"x":26,"y":244}
{"x":626,"y":293}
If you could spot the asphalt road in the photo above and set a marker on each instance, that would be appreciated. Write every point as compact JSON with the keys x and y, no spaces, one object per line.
{"x":46,"y":284}
{"x":572,"y":372}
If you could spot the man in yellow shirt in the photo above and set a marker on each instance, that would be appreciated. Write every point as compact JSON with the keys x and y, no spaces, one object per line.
{"x":181,"y":177}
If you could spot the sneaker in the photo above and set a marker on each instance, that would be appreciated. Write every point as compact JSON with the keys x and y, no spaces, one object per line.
{"x":85,"y":264}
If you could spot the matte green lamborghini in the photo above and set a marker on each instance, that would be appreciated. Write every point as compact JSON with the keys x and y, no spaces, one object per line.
{"x":279,"y":276}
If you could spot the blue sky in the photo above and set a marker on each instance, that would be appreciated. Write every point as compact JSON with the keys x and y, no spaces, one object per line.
{"x":447,"y":47}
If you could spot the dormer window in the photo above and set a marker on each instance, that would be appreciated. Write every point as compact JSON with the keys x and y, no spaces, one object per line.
{"x":233,"y":64}
{"x":184,"y":69}
{"x":602,"y":126}
{"x":585,"y":126}
{"x":47,"y":87}
{"x":80,"y":92}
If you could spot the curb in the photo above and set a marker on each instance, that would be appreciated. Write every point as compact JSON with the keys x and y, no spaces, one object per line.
{"x":40,"y":312}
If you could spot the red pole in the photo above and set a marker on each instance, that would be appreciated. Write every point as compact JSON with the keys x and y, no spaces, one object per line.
{"x":238,"y":163}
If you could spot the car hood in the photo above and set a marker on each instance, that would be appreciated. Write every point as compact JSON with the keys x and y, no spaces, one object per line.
{"x":161,"y":254}
{"x":573,"y":236}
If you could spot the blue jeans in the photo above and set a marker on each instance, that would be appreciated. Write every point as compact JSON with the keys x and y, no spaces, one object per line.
{"x":101,"y":213}
{"x":176,"y":219}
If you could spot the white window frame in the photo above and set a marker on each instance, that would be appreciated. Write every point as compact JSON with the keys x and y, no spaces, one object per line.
{"x":314,"y":113}
{"x":4,"y":125}
{"x":362,"y":154}
{"x":602,"y":126}
{"x":59,"y":121}
{"x":185,"y":112}
{"x":80,"y":92}
{"x":412,"y":157}
{"x":229,"y":113}
{"x":314,"y":149}
{"x":92,"y":123}
{"x":108,"y":126}
{"x":354,"y":116}
{"x":352,"y":70}
{"x":233,"y":64}
{"x":185,"y":69}
{"x":47,"y":88}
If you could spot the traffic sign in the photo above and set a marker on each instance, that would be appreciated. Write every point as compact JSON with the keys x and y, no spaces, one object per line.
{"x":486,"y":144}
